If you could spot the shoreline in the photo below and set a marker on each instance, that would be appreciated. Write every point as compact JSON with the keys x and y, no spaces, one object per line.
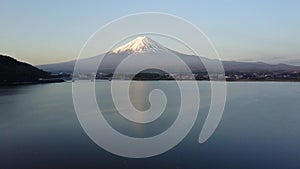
{"x":63,"y":81}
{"x":245,"y":80}
{"x":40,"y":81}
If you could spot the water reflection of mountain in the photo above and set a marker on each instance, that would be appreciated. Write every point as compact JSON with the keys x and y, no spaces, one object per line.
{"x":139,"y":92}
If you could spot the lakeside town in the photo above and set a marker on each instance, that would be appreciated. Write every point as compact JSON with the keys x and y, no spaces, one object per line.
{"x":228,"y":76}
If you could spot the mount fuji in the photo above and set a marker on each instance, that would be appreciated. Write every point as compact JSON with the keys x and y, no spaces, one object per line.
{"x":145,"y":46}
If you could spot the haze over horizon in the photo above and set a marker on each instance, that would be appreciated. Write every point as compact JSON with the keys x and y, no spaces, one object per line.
{"x":54,"y":31}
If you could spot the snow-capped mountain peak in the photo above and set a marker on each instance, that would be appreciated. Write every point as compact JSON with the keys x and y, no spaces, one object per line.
{"x":139,"y":45}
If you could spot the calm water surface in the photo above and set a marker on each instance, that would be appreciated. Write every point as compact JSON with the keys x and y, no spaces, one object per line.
{"x":260,"y":128}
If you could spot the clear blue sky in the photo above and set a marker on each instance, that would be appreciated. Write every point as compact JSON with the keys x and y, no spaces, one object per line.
{"x":53,"y":31}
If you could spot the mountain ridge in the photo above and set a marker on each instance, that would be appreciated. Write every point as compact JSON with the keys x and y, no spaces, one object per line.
{"x":144,"y":44}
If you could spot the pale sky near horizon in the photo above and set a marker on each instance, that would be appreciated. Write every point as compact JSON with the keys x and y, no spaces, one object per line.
{"x":41,"y":32}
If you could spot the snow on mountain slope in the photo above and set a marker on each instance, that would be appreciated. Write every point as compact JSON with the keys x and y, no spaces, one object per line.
{"x":139,"y":45}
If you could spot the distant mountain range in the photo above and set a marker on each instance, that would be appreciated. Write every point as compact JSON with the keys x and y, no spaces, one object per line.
{"x":145,"y":46}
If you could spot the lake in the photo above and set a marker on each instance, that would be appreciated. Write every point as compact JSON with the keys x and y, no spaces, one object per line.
{"x":260,"y":128}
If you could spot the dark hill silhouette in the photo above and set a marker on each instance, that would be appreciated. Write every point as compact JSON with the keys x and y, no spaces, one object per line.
{"x":14,"y":72}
